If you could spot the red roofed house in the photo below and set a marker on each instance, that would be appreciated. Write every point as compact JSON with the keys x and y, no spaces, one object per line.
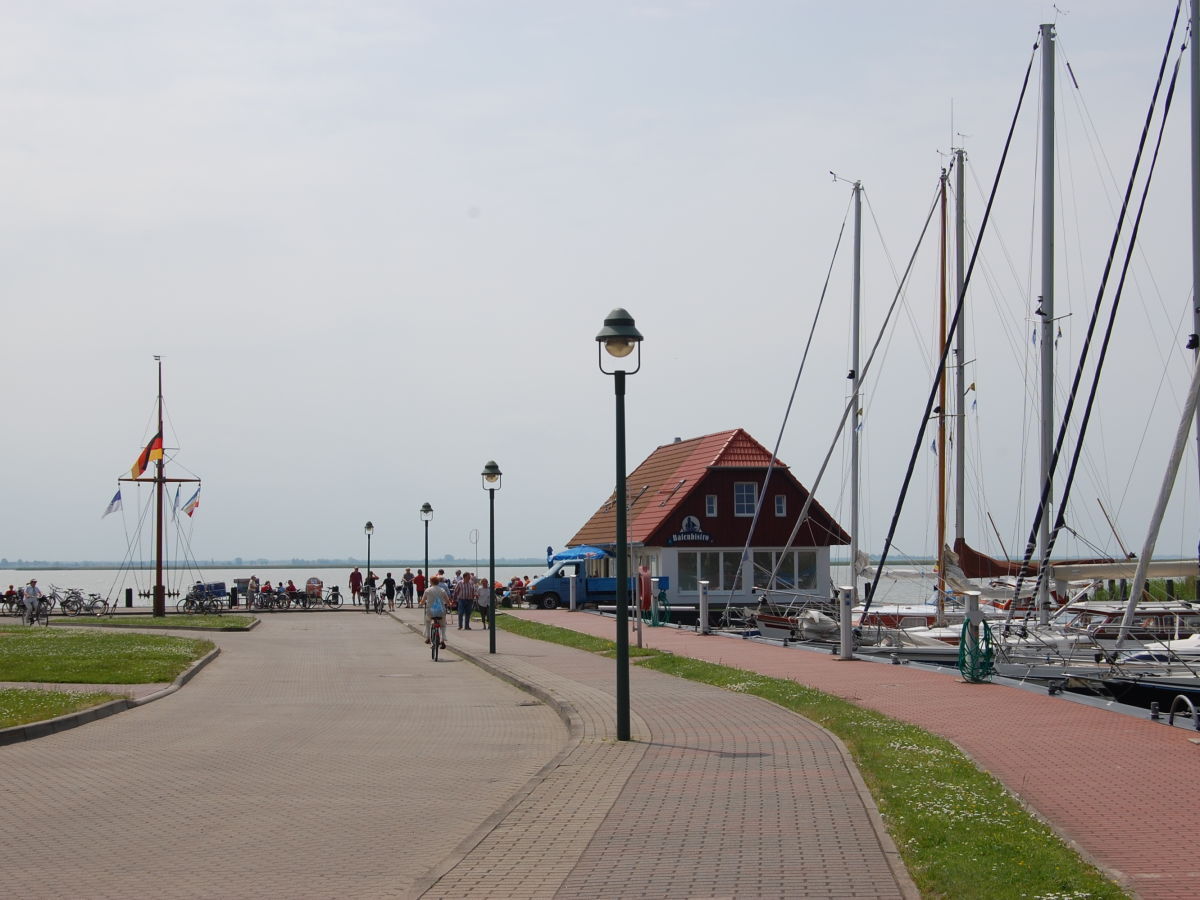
{"x":691,"y":504}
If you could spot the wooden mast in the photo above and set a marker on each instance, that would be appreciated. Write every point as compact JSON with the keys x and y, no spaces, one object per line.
{"x":160,"y":481}
{"x":160,"y":591}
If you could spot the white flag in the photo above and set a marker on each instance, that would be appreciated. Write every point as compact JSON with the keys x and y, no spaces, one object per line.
{"x":114,"y":505}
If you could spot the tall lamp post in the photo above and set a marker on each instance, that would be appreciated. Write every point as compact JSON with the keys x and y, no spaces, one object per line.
{"x":426,"y":515}
{"x":491,"y":483}
{"x":368,"y":530}
{"x":620,"y":338}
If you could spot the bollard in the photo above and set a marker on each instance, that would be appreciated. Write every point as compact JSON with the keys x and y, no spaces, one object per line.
{"x":973,"y":616}
{"x":233,"y":597}
{"x":845,"y":605}
{"x":1170,"y":590}
{"x":703,"y":623}
{"x":128,"y":597}
{"x":571,"y":585}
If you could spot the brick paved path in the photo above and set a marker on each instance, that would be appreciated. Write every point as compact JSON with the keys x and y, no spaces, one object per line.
{"x":718,"y":795}
{"x":318,"y":756}
{"x":1102,"y":780}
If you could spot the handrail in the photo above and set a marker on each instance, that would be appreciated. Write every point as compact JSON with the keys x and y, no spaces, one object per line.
{"x":1191,"y":710}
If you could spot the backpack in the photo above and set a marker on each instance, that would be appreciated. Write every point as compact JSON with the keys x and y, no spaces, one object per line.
{"x":437,"y":607}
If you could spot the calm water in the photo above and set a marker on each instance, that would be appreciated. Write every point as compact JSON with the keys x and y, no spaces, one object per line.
{"x":110,"y":583}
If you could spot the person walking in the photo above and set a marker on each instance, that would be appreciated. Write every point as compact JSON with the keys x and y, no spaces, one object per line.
{"x":406,"y":587}
{"x":389,"y":590}
{"x":419,"y":584}
{"x":464,"y":597}
{"x":483,"y":600}
{"x":356,"y":582}
{"x":436,"y":601}
{"x":368,"y":591}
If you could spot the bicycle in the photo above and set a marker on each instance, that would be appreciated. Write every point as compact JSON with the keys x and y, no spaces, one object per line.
{"x":369,"y":596}
{"x":379,"y":603}
{"x":435,"y":635}
{"x":333,"y":598}
{"x":40,"y":615}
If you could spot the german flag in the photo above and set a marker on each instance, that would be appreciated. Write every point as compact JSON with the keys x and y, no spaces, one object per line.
{"x":153,"y":451}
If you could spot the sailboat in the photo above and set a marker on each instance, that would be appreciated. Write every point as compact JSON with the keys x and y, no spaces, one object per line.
{"x":154,"y":453}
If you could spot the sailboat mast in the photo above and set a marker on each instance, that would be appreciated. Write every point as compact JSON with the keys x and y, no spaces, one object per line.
{"x":1046,"y":306}
{"x":941,"y":412}
{"x":1194,"y":65}
{"x":160,"y":596}
{"x":960,"y":339}
{"x":856,"y":389}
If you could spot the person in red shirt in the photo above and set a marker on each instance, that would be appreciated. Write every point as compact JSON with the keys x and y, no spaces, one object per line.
{"x":356,"y":581}
{"x":419,"y":584}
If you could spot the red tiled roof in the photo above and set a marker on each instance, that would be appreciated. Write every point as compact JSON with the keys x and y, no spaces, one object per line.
{"x":668,"y":475}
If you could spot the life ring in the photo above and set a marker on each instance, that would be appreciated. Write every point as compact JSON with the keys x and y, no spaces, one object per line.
{"x":645,"y":588}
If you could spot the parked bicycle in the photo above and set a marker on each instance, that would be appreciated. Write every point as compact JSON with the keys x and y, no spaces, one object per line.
{"x":76,"y":603}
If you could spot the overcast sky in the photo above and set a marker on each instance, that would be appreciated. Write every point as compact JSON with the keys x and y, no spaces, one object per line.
{"x":373,"y":243}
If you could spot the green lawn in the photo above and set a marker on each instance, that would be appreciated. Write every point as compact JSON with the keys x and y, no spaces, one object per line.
{"x":20,"y":706}
{"x":961,"y":834}
{"x":94,"y":656}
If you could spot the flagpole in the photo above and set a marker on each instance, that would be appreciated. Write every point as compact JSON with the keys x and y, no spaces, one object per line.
{"x":160,"y":595}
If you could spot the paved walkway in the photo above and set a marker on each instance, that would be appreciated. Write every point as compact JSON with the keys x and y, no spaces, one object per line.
{"x":328,"y":757}
{"x":717,"y":795}
{"x":316,"y":757}
{"x":1122,"y":789}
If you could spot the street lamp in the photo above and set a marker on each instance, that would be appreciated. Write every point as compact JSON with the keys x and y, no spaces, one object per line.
{"x":620,"y":338}
{"x":426,"y":515}
{"x":491,"y":483}
{"x":368,"y":530}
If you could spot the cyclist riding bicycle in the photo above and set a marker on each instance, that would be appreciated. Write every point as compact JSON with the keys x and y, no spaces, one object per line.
{"x":32,"y":595}
{"x":436,"y":602}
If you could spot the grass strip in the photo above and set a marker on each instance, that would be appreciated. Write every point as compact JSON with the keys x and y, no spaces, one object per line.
{"x":87,"y":656}
{"x":20,"y":706}
{"x":182,"y":620}
{"x":961,"y":834}
{"x":556,"y":635}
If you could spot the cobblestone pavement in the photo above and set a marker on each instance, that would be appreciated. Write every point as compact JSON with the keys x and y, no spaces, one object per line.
{"x":317,"y":757}
{"x":717,"y":795}
{"x":1093,"y":774}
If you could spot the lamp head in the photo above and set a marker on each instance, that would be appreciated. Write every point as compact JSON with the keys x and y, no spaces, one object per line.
{"x":426,"y":511}
{"x":491,"y":476}
{"x":620,"y":336}
{"x":368,"y":529}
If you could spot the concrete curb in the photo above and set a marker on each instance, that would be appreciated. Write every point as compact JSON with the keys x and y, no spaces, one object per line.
{"x":86,"y":624}
{"x":34,"y":730}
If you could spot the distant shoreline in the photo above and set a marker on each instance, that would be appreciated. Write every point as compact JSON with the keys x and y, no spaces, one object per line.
{"x":60,"y":565}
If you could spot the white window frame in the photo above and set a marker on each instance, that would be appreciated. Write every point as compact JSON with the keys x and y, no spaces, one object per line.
{"x":738,"y":501}
{"x":781,"y":506}
{"x":710,"y":505}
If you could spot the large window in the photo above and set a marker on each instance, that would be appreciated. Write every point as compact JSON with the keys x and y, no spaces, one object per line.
{"x":718,"y":567}
{"x":796,"y":569}
{"x":745,"y":493}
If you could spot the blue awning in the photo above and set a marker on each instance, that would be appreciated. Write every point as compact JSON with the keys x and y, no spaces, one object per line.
{"x":582,"y":552}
